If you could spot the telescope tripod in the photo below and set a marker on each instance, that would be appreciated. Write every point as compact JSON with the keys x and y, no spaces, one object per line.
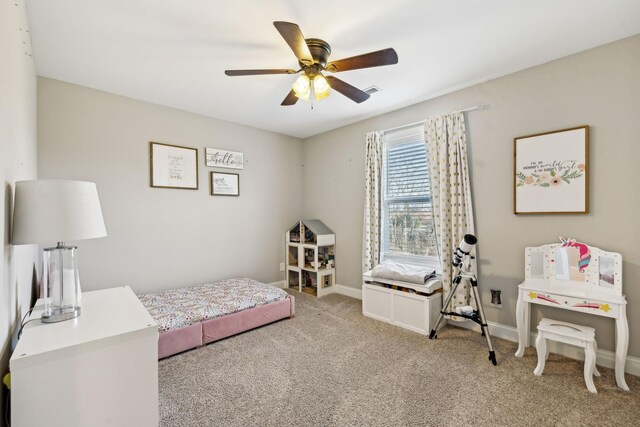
{"x":477,"y":316}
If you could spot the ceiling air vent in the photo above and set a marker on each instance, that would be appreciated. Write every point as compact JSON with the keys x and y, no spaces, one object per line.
{"x":372,"y":89}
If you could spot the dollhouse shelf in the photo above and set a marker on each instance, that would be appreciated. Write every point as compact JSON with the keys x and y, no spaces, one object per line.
{"x":310,"y":255}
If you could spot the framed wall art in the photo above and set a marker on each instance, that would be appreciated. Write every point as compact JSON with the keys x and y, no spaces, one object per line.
{"x":217,"y":158}
{"x":173,"y":166}
{"x":225,"y":184}
{"x":551,"y":172}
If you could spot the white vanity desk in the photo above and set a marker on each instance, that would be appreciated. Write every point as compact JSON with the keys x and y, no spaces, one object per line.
{"x":553,"y":279}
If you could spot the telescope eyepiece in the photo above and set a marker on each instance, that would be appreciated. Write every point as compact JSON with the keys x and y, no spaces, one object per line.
{"x":470,"y":239}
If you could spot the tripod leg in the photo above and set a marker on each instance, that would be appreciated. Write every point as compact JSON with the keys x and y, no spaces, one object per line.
{"x":445,"y":304}
{"x":483,"y":321}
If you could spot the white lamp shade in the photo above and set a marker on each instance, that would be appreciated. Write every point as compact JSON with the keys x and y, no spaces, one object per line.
{"x":50,"y":211}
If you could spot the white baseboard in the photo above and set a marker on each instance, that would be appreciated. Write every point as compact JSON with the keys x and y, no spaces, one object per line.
{"x":282,"y":284}
{"x":338,"y":289}
{"x":604,"y":358}
{"x":348,"y":291}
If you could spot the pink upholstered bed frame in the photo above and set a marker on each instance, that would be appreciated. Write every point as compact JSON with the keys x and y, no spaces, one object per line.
{"x":178,"y":340}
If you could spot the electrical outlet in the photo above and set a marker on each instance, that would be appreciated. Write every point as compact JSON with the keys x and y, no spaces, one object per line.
{"x":282,"y":266}
{"x":496,"y":298}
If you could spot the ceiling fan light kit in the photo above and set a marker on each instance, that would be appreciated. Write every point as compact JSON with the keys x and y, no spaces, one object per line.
{"x":302,"y":87}
{"x":305,"y":90}
{"x":321,"y":87}
{"x":312,"y":55}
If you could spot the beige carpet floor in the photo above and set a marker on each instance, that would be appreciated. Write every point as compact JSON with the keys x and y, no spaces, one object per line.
{"x":332,"y":366}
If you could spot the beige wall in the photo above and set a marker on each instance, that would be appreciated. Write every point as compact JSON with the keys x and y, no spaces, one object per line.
{"x":599,"y":87}
{"x":161,"y":238}
{"x":17,"y":162}
{"x":167,"y":238}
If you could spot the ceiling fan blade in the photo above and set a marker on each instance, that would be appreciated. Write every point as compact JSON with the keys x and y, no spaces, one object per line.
{"x":293,"y":36}
{"x":351,"y":92}
{"x":367,"y":60}
{"x":258,"y":72}
{"x":290,"y":99}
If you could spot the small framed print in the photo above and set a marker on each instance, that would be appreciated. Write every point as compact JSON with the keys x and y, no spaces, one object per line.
{"x":552,"y":172}
{"x":173,"y":166}
{"x":225,"y":184}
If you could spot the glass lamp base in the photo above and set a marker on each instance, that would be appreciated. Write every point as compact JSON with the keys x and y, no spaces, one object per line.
{"x":61,"y":284}
{"x":60,"y":314}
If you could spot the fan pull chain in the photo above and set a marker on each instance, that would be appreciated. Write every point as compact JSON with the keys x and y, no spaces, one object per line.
{"x":312,"y":95}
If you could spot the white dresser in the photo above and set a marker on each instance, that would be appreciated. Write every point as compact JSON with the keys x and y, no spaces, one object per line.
{"x":99,"y":369}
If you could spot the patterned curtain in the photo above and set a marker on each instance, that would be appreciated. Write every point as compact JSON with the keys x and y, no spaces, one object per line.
{"x":446,"y":141}
{"x":372,"y":200}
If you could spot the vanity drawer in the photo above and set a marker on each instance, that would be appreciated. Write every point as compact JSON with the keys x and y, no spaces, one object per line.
{"x":571,"y":303}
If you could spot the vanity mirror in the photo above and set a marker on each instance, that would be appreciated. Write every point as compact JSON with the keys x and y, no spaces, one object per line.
{"x":575,"y":264}
{"x":572,"y":260}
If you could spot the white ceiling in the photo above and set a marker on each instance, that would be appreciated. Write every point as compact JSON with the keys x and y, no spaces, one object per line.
{"x":174,"y":52}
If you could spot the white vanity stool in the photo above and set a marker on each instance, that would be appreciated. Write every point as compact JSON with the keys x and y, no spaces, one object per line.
{"x":568,"y":333}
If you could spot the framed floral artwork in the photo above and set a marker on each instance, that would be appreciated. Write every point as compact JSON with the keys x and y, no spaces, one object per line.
{"x":551,"y":172}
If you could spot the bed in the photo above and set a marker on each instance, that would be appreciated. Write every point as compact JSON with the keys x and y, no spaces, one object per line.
{"x":193,"y":316}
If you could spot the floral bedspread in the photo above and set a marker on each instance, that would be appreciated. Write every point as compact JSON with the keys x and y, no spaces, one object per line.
{"x":177,"y":308}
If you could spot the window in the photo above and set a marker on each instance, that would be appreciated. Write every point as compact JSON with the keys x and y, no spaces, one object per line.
{"x":408,"y":233}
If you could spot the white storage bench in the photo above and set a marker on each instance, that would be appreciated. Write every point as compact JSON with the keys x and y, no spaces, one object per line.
{"x":410,"y":306}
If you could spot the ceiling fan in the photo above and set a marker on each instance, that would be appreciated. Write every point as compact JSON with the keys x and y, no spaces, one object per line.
{"x":312,"y":56}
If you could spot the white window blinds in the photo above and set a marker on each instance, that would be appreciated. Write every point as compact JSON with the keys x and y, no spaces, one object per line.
{"x":407,"y":223}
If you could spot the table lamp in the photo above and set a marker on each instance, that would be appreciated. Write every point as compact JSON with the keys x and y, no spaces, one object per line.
{"x":47,"y":211}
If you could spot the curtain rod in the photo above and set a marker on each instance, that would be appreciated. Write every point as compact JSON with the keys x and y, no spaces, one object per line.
{"x":463,"y":110}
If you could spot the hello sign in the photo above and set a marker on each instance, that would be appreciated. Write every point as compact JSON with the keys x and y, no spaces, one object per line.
{"x":216,"y":158}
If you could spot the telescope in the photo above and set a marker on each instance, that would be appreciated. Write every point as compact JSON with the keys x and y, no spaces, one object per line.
{"x":459,"y":255}
{"x":464,"y":249}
